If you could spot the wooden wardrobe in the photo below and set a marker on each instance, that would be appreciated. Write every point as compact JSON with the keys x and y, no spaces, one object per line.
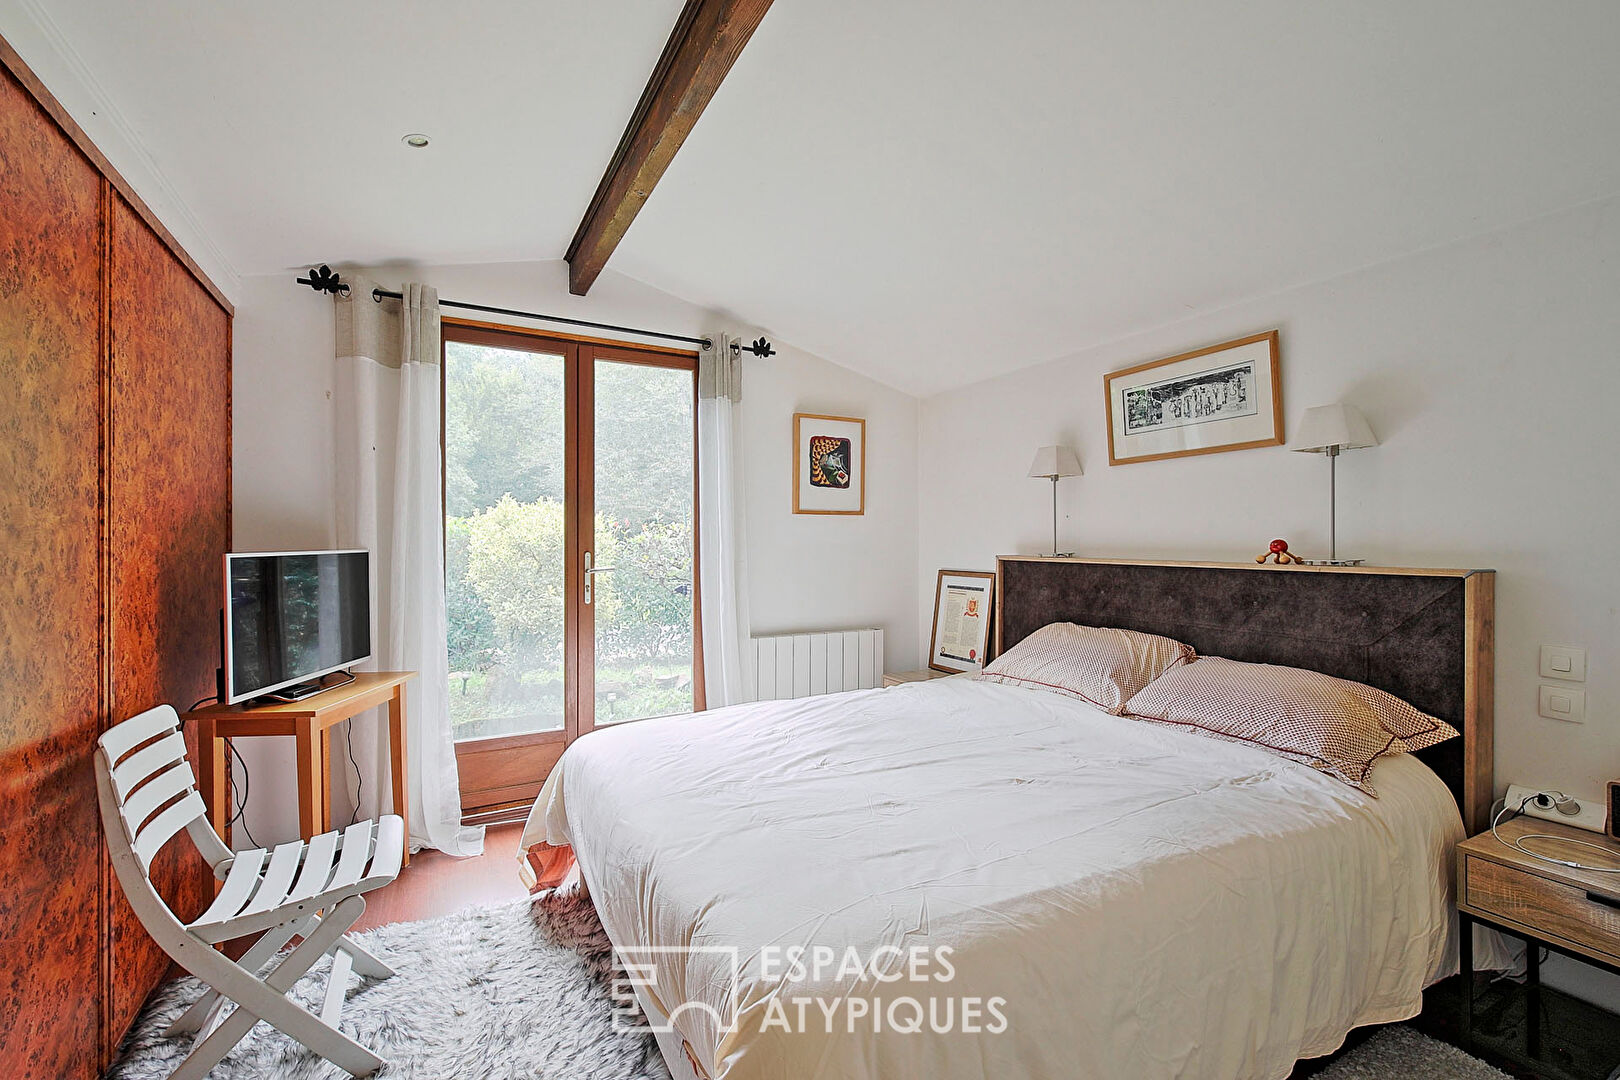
{"x":114,"y":513}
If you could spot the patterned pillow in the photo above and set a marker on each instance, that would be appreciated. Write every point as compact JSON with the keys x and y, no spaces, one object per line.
{"x":1104,"y":667}
{"x":1334,"y":725}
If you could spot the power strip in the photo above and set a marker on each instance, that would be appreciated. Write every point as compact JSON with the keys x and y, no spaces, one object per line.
{"x":1593,"y":814}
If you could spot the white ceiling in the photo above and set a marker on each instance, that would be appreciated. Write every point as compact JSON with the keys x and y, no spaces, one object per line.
{"x":929,"y":191}
{"x":279,"y":123}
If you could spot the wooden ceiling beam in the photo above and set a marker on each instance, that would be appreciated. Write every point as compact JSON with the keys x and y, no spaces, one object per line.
{"x":707,"y":39}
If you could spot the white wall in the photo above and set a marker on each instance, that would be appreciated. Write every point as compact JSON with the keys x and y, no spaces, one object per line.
{"x":817,"y":571}
{"x":1490,"y":372}
{"x":805,"y":571}
{"x":281,"y":406}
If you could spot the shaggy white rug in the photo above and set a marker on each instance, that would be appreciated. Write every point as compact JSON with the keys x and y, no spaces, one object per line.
{"x":488,"y":994}
{"x":1400,"y":1053}
{"x":520,"y":992}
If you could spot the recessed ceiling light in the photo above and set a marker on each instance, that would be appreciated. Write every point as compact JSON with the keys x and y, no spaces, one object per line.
{"x":416,"y":140}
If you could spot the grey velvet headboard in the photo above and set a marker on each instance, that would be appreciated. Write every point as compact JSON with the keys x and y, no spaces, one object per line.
{"x":1423,"y":635}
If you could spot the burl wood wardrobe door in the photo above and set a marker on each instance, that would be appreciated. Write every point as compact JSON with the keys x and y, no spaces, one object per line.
{"x":50,"y":594}
{"x":168,"y":506}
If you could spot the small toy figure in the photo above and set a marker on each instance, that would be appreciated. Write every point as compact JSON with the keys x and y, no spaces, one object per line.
{"x":1279,"y":551}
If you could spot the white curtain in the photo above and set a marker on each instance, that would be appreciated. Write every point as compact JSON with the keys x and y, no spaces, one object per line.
{"x":388,"y":484}
{"x":722,"y":568}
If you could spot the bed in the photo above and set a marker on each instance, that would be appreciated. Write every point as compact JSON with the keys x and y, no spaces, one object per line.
{"x":1041,"y":888}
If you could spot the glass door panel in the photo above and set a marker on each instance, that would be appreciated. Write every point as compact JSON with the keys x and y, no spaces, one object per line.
{"x":641,"y":565}
{"x":505,"y":482}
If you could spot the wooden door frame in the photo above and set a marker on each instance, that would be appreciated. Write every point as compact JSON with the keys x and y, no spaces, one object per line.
{"x":579,"y":355}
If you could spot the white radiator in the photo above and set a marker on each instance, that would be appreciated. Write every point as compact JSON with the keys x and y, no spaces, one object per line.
{"x":822,"y":662}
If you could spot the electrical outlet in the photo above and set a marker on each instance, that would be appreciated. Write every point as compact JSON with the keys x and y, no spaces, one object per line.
{"x":1593,"y":814}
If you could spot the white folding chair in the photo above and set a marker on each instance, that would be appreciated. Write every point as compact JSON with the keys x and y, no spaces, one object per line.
{"x":312,"y":890}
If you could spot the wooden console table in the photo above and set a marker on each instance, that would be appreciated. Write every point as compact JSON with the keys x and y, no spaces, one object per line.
{"x":310,"y":722}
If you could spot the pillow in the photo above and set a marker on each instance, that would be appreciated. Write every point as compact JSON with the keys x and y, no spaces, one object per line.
{"x":1334,"y":725}
{"x":1104,"y":667}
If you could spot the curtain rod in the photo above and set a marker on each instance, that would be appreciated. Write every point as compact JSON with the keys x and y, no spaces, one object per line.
{"x":324,"y":279}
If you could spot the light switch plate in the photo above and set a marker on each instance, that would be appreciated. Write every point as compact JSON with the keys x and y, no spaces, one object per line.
{"x":1563,"y":662}
{"x":1563,"y":703}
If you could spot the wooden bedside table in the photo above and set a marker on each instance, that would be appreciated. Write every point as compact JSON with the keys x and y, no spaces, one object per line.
{"x":1570,"y":911}
{"x":895,"y":678}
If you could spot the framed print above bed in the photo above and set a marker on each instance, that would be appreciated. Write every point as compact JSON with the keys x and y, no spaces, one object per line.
{"x":1225,"y":397}
{"x":829,"y":464}
{"x":961,"y":633}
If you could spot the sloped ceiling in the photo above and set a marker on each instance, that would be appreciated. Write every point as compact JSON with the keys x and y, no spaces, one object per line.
{"x":930,"y":192}
{"x":280,"y":124}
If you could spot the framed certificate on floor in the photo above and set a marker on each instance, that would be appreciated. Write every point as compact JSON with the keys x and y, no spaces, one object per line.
{"x":961,"y":631}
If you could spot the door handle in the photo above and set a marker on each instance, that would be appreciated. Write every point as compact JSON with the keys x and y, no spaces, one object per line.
{"x":590,"y":572}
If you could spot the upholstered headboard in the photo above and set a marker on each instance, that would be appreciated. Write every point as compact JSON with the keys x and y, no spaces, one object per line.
{"x":1423,"y":635}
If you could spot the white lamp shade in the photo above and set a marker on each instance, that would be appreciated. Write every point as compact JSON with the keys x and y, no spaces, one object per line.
{"x":1327,"y":426}
{"x":1054,"y":461}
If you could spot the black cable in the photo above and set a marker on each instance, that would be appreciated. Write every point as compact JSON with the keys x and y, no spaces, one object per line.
{"x":239,"y":799}
{"x":359,"y":784}
{"x":241,"y":806}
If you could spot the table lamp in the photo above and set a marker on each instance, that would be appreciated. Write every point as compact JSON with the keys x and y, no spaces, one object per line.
{"x":1053,"y":463}
{"x":1328,"y":429}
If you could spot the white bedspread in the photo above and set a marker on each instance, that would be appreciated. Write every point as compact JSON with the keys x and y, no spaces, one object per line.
{"x":1147,"y":902}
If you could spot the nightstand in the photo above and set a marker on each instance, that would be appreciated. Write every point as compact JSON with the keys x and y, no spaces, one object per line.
{"x":1570,"y":911}
{"x":895,"y":678}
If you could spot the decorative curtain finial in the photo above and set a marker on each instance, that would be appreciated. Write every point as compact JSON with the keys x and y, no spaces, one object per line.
{"x":760,"y":347}
{"x":323,"y":278}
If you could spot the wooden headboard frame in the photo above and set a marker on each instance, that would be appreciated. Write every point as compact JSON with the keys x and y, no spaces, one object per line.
{"x":1424,"y":635}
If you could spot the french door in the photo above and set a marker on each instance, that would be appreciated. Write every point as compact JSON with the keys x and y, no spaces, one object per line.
{"x":570,"y":502}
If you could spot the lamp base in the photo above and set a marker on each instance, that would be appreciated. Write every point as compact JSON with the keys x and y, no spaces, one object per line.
{"x":1334,"y":562}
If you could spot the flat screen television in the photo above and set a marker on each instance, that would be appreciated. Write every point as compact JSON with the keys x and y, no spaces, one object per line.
{"x":292,"y":617}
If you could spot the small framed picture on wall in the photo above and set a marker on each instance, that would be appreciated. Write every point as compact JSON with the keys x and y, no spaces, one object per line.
{"x":829,"y":464}
{"x":961,"y":633}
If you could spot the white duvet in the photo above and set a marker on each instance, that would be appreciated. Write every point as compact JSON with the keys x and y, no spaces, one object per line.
{"x":1142,"y":901}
